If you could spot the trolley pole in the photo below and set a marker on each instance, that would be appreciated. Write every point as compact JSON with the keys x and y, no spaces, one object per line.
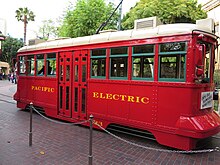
{"x":30,"y":133}
{"x":90,"y":139}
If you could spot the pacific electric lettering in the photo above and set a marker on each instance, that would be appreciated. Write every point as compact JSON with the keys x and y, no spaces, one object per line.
{"x":43,"y":89}
{"x":118,"y":97}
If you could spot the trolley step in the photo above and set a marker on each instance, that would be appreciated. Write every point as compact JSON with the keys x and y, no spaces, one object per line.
{"x":131,"y":131}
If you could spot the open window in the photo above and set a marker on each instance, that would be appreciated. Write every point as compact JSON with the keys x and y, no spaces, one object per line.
{"x":22,"y":65}
{"x":30,"y":65}
{"x":40,"y":65}
{"x":143,"y":62}
{"x":51,"y":64}
{"x":172,"y":61}
{"x":204,"y":55}
{"x":119,"y":63}
{"x":98,"y":63}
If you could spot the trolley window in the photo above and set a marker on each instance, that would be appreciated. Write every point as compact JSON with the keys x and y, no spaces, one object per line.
{"x":22,"y":66}
{"x":119,"y":63}
{"x":51,"y":64}
{"x":98,"y":63}
{"x":172,"y":61}
{"x":205,"y":62}
{"x":143,"y":62}
{"x":40,"y":65}
{"x":208,"y":63}
{"x":30,"y":65}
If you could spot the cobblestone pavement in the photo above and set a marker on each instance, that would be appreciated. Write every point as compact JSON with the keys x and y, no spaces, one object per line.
{"x":56,"y":144}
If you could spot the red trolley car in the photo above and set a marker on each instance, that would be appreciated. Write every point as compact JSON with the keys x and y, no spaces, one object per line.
{"x":158,"y":79}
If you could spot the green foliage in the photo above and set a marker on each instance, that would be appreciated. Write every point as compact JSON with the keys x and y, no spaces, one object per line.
{"x":24,"y":15}
{"x":217,"y":78}
{"x":9,"y":49}
{"x":48,"y":30}
{"x":168,"y":11}
{"x":217,"y":85}
{"x":53,"y":64}
{"x":86,"y":18}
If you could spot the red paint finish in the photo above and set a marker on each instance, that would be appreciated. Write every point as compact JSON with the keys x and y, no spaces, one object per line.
{"x":65,"y":83}
{"x":37,"y":90}
{"x":170,"y":110}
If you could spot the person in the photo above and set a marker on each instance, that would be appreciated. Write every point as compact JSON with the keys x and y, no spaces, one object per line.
{"x":9,"y":76}
{"x":49,"y":68}
{"x":3,"y":75}
{"x":14,"y":78}
{"x":95,"y":73}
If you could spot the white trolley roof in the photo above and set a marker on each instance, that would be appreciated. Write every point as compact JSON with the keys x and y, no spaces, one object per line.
{"x":161,"y":30}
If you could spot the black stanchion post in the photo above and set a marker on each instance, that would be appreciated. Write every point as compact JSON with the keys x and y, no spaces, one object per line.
{"x":30,"y":133}
{"x":90,"y":139}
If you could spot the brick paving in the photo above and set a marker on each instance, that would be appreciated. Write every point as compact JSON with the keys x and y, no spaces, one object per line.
{"x":56,"y":144}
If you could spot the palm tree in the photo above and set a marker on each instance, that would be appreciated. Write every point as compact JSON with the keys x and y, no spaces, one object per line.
{"x":25,"y":15}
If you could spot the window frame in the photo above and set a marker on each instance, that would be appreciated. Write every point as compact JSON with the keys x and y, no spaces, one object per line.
{"x":173,"y":54}
{"x":49,"y":59}
{"x":24,"y":64}
{"x":143,"y":55}
{"x":94,"y":57}
{"x":43,"y":59}
{"x":118,"y":56}
{"x":29,"y":73}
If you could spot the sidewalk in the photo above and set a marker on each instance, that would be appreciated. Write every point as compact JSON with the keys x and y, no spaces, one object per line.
{"x":57,"y":144}
{"x":10,"y":87}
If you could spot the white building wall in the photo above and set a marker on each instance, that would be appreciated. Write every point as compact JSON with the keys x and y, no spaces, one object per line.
{"x":215,"y":14}
{"x":3,"y":28}
{"x":212,"y":7}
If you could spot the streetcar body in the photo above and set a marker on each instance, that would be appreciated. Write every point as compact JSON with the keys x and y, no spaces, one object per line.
{"x":159,"y":80}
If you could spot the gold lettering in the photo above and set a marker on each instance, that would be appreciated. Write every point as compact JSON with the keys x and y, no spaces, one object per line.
{"x":109,"y":96}
{"x":98,"y":123}
{"x":137,"y":99}
{"x":44,"y":89}
{"x":123,"y":97}
{"x":101,"y":96}
{"x":96,"y":94}
{"x":114,"y":97}
{"x":131,"y":99}
{"x":145,"y":100}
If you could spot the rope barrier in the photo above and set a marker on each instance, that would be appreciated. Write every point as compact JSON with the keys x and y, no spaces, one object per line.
{"x":90,"y":156}
{"x":126,"y":141}
{"x":156,"y":149}
{"x":59,"y":122}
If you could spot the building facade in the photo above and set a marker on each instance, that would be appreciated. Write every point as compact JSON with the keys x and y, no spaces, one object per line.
{"x":3,"y":28}
{"x":212,"y":7}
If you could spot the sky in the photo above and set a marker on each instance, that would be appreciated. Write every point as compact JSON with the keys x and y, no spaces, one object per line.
{"x":43,"y":9}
